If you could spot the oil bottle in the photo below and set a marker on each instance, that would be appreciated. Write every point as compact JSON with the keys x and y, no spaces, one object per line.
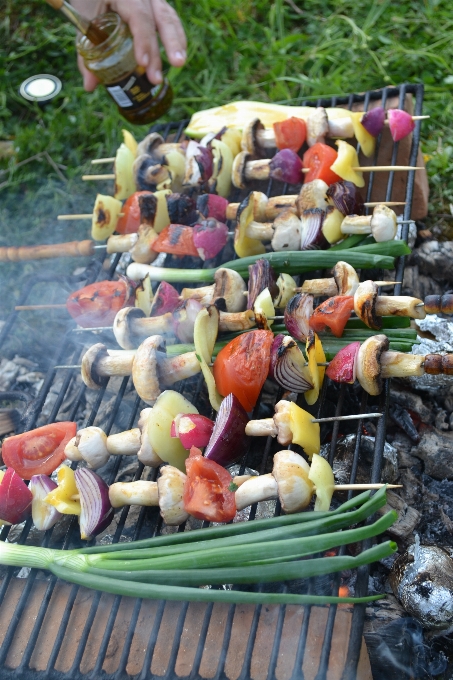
{"x":106,"y":46}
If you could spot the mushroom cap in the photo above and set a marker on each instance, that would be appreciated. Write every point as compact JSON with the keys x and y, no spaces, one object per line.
{"x":90,"y":376}
{"x":317,"y":126}
{"x":239,"y":164}
{"x":346,"y":278}
{"x":144,"y":368}
{"x":365,"y":304}
{"x":71,"y":450}
{"x":92,"y":445}
{"x":383,"y":223}
{"x":249,"y":142}
{"x":230,"y":286}
{"x":287,"y":231}
{"x":123,"y":327}
{"x":312,"y":195}
{"x":170,"y":487}
{"x":369,"y":363}
{"x":147,"y":173}
{"x":146,"y":454}
{"x":149,"y":143}
{"x":291,"y":472}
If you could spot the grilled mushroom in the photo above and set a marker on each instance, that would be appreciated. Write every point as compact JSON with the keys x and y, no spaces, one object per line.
{"x":344,"y":282}
{"x":287,"y":231}
{"x":370,"y":307}
{"x":382,"y":224}
{"x":140,"y":492}
{"x":145,"y":367}
{"x":317,"y":126}
{"x":171,"y":491}
{"x":229,"y":286}
{"x":251,"y":141}
{"x":131,"y":326}
{"x":365,"y":304}
{"x":369,"y":363}
{"x":98,"y":363}
{"x":148,"y":174}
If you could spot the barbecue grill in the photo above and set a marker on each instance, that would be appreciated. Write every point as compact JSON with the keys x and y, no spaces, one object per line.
{"x":52,"y":630}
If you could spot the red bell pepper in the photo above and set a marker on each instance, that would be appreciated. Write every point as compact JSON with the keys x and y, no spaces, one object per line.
{"x":175,"y":239}
{"x":333,"y":313}
{"x":97,"y":304}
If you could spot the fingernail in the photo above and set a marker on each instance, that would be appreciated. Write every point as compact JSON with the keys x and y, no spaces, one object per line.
{"x":180,"y":56}
{"x":145,"y":60}
{"x":158,"y":76}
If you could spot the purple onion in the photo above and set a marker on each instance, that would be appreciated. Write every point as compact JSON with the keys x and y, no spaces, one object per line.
{"x":297,"y":315}
{"x":373,"y":120}
{"x":44,"y":515}
{"x":15,"y":498}
{"x":228,"y":442}
{"x":209,"y":237}
{"x":286,"y":166}
{"x":96,"y":509}
{"x":346,"y":198}
{"x":401,"y":123}
{"x":165,"y":300}
{"x":288,"y":366}
{"x":312,"y":237}
{"x":211,"y":205}
{"x":261,"y":276}
{"x":184,"y":319}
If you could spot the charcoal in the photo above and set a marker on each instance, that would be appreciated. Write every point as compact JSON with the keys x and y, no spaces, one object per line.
{"x":402,"y":419}
{"x":434,"y":259}
{"x":408,"y":518}
{"x":435,"y":449}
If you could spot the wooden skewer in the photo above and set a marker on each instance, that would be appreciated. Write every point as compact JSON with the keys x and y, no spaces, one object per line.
{"x":98,"y":177}
{"x":368,"y":168}
{"x":24,"y":308}
{"x":359,"y":416}
{"x":386,"y":122}
{"x":99,"y":161}
{"x":81,"y":216}
{"x":365,"y":487}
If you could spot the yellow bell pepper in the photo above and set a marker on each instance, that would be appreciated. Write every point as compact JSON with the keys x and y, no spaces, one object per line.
{"x":204,"y":336}
{"x":105,"y":216}
{"x":130,"y":141}
{"x":347,"y":159}
{"x":331,"y":227}
{"x":367,"y":142}
{"x":243,"y":245}
{"x":62,"y":497}
{"x":232,"y":138}
{"x":322,"y":477}
{"x":124,"y":173}
{"x":264,"y":307}
{"x":315,"y":354}
{"x":304,"y":431}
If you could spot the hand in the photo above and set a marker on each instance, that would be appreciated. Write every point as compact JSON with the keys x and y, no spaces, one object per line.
{"x":146,"y":19}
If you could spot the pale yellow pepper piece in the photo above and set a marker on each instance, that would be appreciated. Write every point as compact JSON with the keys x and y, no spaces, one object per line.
{"x":315,"y":354}
{"x":347,"y":159}
{"x":304,"y":431}
{"x":264,"y":307}
{"x":243,"y":245}
{"x":232,"y":138}
{"x":331,"y":227}
{"x":321,"y":475}
{"x":367,"y":142}
{"x":204,"y":336}
{"x":130,"y":141}
{"x":62,"y":497}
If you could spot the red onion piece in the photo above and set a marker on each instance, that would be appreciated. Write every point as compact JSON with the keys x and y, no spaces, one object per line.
{"x":184,"y":319}
{"x":192,"y":430}
{"x":209,"y":237}
{"x":211,"y":205}
{"x":312,"y":237}
{"x":286,"y":166}
{"x":400,"y":123}
{"x":15,"y":498}
{"x":97,"y":511}
{"x":165,"y":300}
{"x":297,"y":315}
{"x":343,"y":366}
{"x":373,"y":120}
{"x":288,"y":366}
{"x":261,"y":276}
{"x":346,"y":198}
{"x":228,"y":442}
{"x":44,"y":515}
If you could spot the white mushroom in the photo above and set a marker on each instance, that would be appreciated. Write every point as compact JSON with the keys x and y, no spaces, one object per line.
{"x":171,"y":491}
{"x":287,"y":232}
{"x":140,"y":492}
{"x":146,"y":453}
{"x":91,"y":443}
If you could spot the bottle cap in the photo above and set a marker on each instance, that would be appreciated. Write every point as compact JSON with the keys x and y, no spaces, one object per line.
{"x":40,"y":88}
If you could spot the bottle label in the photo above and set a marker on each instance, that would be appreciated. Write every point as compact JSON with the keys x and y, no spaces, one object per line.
{"x":132,"y":91}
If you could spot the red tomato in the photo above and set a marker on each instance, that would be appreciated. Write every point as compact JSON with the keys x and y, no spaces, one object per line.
{"x":98,"y":303}
{"x":177,"y":240}
{"x":333,"y":313}
{"x":206,"y":492}
{"x":290,"y":134}
{"x":319,"y":158}
{"x":131,"y":220}
{"x":242,"y":366}
{"x":15,"y":498}
{"x":40,"y":451}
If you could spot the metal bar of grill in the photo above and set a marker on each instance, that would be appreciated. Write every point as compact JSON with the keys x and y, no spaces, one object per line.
{"x":23,"y":664}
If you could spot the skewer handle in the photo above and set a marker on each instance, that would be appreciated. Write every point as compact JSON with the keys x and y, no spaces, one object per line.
{"x":69,"y":249}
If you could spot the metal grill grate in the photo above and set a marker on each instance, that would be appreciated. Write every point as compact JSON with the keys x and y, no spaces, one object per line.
{"x":52,"y":630}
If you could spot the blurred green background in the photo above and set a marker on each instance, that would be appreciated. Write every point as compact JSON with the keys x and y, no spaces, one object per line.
{"x":277,"y":52}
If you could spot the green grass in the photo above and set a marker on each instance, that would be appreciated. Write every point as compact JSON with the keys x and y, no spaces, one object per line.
{"x":278,"y":51}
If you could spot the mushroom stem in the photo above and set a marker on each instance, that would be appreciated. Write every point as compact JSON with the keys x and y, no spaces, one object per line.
{"x":124,"y":443}
{"x":121,"y":243}
{"x":118,"y":362}
{"x":326,"y":287}
{"x":261,"y":428}
{"x":399,"y":365}
{"x":178,"y":368}
{"x":263,"y":231}
{"x":203,"y":294}
{"x":399,"y":305}
{"x":236,"y":321}
{"x":139,"y":492}
{"x":256,"y":489}
{"x":266,"y":138}
{"x":152,"y":325}
{"x":356,"y":224}
{"x":258,"y":169}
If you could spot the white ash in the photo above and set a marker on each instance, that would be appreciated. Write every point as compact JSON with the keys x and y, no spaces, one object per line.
{"x":18,"y":370}
{"x":442,"y":329}
{"x":412,"y":233}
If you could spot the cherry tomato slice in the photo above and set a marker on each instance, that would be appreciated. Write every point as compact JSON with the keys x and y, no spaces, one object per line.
{"x":290,"y":133}
{"x":131,"y":220}
{"x":318,"y":158}
{"x":206,"y":492}
{"x":242,"y":366}
{"x":333,"y":313}
{"x":39,"y":451}
{"x":97,"y":304}
{"x":175,"y":239}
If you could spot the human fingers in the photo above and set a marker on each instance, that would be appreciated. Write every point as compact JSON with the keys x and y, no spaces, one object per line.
{"x":90,"y":81}
{"x":171,"y":31}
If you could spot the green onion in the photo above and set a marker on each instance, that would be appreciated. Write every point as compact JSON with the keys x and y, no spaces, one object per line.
{"x":350,"y":241}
